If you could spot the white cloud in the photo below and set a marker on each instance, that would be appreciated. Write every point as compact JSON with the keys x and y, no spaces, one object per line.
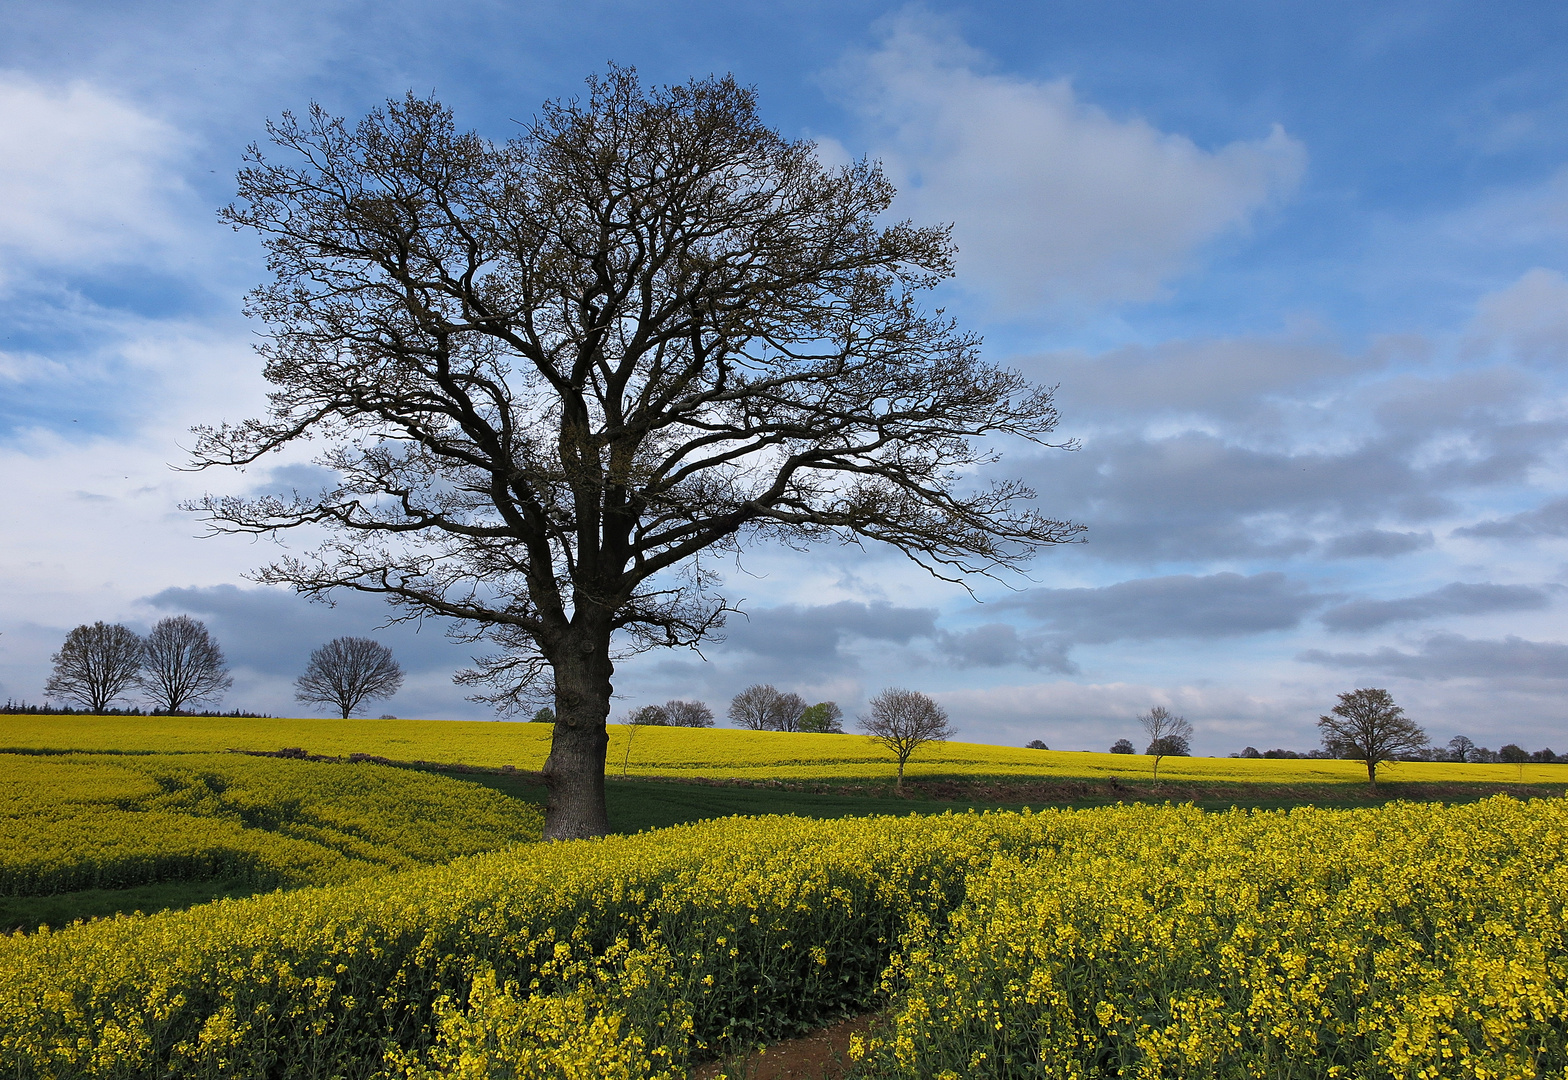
{"x":86,"y":178}
{"x":1055,"y":202}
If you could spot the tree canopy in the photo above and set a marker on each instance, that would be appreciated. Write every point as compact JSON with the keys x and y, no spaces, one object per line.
{"x":553,"y":378}
{"x":1367,"y":726}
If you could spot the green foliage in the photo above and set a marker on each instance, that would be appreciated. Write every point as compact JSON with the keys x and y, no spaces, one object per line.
{"x":83,"y":821}
{"x":823,"y":718}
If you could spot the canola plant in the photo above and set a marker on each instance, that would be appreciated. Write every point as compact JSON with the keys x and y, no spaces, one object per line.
{"x":108,"y":821}
{"x":1408,"y":941}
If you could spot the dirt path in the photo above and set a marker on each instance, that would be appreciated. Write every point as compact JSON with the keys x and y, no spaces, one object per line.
{"x":822,"y":1055}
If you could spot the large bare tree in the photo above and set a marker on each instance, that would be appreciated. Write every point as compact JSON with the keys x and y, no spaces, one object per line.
{"x":346,"y":672}
{"x":764,"y":707}
{"x":556,"y":377}
{"x":1367,"y":726}
{"x":95,"y":665}
{"x":903,"y":721}
{"x":182,"y":665}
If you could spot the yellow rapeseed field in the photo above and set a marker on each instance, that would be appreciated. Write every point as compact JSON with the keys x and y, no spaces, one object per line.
{"x":1407,"y":941}
{"x":102,"y":821}
{"x":718,"y":753}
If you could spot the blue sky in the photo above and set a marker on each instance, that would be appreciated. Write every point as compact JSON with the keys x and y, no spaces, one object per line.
{"x":1297,"y":268}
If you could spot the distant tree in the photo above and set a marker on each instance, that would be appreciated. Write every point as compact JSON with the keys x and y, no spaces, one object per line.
{"x":1167,"y":733}
{"x":1291,"y":754}
{"x":347,"y":672}
{"x":1169,"y":746}
{"x":1546,"y":755}
{"x":95,"y":665}
{"x":1249,"y":752}
{"x":762,"y":707}
{"x":545,"y":715}
{"x":1371,"y":728}
{"x":182,"y":665}
{"x":904,"y":721}
{"x":1514,"y":754}
{"x":650,"y":716}
{"x":688,"y":713}
{"x":1460,"y":747}
{"x":1123,"y":746}
{"x":824,"y":718}
{"x":1036,"y":744}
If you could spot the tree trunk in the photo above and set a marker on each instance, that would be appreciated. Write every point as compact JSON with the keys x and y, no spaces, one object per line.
{"x":1371,"y":773}
{"x":898,"y":788}
{"x":574,"y":771}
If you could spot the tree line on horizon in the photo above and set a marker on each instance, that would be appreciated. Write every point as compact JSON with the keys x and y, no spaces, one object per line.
{"x":1365,"y":726}
{"x":901,"y":720}
{"x":178,"y":665}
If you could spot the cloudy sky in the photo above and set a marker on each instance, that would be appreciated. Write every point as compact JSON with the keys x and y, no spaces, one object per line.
{"x":1297,"y":268}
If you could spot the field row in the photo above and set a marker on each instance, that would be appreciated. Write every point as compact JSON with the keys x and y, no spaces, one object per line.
{"x":1406,"y":941}
{"x":715,"y":753}
{"x":82,"y":821}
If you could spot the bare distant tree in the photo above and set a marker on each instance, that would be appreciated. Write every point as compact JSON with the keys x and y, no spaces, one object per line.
{"x":688,"y":713}
{"x":824,"y":718}
{"x":904,"y":721}
{"x":348,"y":671}
{"x":1367,"y":726}
{"x":1123,"y":746}
{"x":1460,"y":747}
{"x":95,"y":665}
{"x":1168,"y":734}
{"x":182,"y":665}
{"x":1036,"y":744}
{"x":650,"y":716}
{"x":762,"y":707}
{"x":552,"y":379}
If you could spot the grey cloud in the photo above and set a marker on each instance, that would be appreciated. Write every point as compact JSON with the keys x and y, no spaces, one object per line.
{"x":272,"y":631}
{"x":1550,"y":519}
{"x":1226,"y":377}
{"x":1195,"y":495}
{"x":1456,"y":599}
{"x":1199,"y":494}
{"x":1376,"y":544}
{"x":1000,"y":645}
{"x":816,"y":633}
{"x":1453,"y":656}
{"x":1179,"y":606}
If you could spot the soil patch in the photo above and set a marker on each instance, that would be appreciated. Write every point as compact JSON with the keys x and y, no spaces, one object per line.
{"x":821,"y":1055}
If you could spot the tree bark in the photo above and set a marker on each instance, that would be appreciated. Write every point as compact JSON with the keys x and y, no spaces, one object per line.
{"x":1371,"y":773}
{"x":574,"y":771}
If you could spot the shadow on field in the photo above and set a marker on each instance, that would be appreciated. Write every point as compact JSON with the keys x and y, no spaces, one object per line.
{"x":634,"y":805}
